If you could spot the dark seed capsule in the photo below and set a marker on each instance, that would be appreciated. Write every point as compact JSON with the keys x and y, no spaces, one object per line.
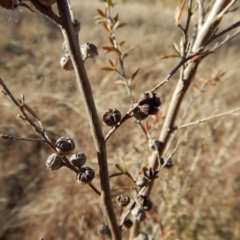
{"x":78,"y":159}
{"x":111,"y":117}
{"x":85,"y":175}
{"x":54,"y":162}
{"x":64,"y":145}
{"x":123,"y":200}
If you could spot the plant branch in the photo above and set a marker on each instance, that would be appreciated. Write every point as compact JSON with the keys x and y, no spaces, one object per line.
{"x":25,"y":117}
{"x":199,"y":52}
{"x":231,"y":112}
{"x":95,"y":126}
{"x":22,"y":139}
{"x":40,"y":130}
{"x":94,"y":189}
{"x":206,"y":35}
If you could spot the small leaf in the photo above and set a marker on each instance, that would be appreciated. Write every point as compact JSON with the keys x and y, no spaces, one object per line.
{"x":115,"y":26}
{"x":109,"y":2}
{"x":120,"y":82}
{"x":116,"y":61}
{"x":110,"y":49}
{"x":115,"y":17}
{"x":29,"y":110}
{"x":99,"y":17}
{"x":131,"y":49}
{"x":175,"y":47}
{"x":137,"y":150}
{"x":118,"y":25}
{"x":122,"y":25}
{"x":121,"y":43}
{"x":110,"y":61}
{"x":179,"y":12}
{"x":120,"y":167}
{"x":169,"y":56}
{"x":135,"y":74}
{"x":101,"y":13}
{"x":106,"y":27}
{"x":100,"y":20}
{"x":108,"y":69}
{"x":116,"y":174}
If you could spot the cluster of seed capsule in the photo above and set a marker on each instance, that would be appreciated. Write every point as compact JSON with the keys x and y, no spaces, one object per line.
{"x":146,"y":176}
{"x":148,"y":104}
{"x":64,"y":146}
{"x":138,"y":207}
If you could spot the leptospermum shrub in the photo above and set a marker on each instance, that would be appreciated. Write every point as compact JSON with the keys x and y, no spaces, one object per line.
{"x":200,"y":38}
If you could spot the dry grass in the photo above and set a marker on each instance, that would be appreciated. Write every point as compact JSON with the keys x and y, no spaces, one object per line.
{"x":197,"y":199}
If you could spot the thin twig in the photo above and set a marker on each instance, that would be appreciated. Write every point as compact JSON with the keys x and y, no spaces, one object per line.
{"x":21,"y":138}
{"x":201,"y":13}
{"x":94,"y":189}
{"x":227,"y":39}
{"x":40,"y":131}
{"x":231,"y":112}
{"x":226,"y":10}
{"x":185,"y":114}
{"x":122,"y":72}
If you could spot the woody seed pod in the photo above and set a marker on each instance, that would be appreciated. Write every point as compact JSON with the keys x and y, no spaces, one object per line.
{"x":88,"y":50}
{"x":167,"y":162}
{"x":78,"y":159}
{"x":54,"y":162}
{"x":64,"y":145}
{"x":154,"y":144}
{"x":141,"y":112}
{"x":85,"y":175}
{"x":111,"y":117}
{"x":142,"y":181}
{"x":148,"y":105}
{"x":128,"y":223}
{"x":139,"y":213}
{"x":144,"y":202}
{"x":123,"y":200}
{"x":150,"y":173}
{"x":66,"y":63}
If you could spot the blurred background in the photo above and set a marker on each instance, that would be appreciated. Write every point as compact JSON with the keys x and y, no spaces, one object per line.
{"x":198,"y":198}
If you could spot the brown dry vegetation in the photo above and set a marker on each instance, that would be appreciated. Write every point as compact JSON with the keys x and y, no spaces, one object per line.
{"x":199,"y":198}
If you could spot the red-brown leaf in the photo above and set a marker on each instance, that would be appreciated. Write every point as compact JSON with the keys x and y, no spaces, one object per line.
{"x":110,"y":61}
{"x":168,"y":56}
{"x":106,"y":27}
{"x":121,"y":43}
{"x":101,"y":13}
{"x":131,"y":49}
{"x":108,"y":69}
